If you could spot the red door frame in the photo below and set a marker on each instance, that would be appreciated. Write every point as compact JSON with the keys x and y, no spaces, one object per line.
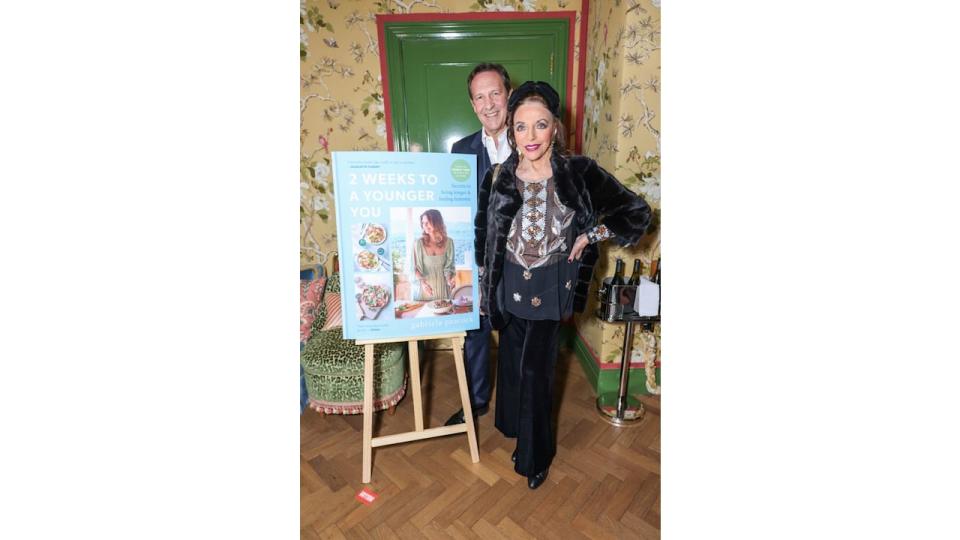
{"x":571,"y":16}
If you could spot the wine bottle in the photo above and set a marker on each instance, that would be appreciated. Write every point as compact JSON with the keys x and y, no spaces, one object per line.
{"x":635,"y":277}
{"x":617,"y":279}
{"x":618,"y":274}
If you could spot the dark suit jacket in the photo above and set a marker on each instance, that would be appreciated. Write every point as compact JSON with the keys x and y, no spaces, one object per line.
{"x":473,"y":144}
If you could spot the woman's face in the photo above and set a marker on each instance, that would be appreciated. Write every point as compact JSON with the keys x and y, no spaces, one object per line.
{"x":426,"y":225}
{"x":533,"y":130}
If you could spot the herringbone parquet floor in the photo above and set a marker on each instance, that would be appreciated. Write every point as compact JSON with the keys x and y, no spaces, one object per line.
{"x":604,"y":481}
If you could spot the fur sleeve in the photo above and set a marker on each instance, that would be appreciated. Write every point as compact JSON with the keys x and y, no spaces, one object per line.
{"x":480,"y":220}
{"x":621,"y":210}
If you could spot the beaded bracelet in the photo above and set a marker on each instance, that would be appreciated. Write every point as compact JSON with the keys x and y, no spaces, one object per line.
{"x":599,"y":233}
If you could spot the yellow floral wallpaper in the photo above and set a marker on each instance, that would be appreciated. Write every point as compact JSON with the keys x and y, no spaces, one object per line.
{"x":341,"y":108}
{"x":341,"y":95}
{"x":622,"y":132}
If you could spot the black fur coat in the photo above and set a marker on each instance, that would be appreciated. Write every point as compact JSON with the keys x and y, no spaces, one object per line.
{"x":593,"y":193}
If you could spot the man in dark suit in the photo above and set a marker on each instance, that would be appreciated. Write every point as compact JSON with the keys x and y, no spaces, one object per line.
{"x":488,"y":86}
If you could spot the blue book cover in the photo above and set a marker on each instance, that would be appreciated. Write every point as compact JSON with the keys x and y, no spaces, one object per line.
{"x":405,"y":236}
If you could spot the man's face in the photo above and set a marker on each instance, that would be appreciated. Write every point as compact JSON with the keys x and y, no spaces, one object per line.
{"x":489,"y":99}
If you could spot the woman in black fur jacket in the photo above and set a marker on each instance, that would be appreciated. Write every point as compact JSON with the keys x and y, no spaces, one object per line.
{"x":536,"y":245}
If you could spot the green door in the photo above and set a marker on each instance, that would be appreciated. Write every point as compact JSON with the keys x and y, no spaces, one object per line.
{"x":428,"y":64}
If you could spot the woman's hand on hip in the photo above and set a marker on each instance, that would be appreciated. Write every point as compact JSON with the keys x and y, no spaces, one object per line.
{"x":578,"y":246}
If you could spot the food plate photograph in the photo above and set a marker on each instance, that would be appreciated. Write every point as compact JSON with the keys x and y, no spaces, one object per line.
{"x":371,"y":299}
{"x":374,"y":234}
{"x":440,"y":307}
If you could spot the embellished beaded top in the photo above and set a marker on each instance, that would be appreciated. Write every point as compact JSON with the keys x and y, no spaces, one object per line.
{"x":540,"y":233}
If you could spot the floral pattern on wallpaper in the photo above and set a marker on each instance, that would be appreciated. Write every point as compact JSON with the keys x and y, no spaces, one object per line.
{"x":622,"y":96}
{"x":622,"y":131}
{"x":341,"y":93}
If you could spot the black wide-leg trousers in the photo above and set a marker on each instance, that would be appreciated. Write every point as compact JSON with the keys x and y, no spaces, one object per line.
{"x":526,"y":363}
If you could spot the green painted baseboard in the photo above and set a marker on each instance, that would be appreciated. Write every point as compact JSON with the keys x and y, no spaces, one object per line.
{"x":605,"y":380}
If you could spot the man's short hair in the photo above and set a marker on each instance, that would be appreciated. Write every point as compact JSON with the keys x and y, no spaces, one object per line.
{"x":488,"y":66}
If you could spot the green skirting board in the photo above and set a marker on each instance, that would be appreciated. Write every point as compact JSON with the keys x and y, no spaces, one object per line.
{"x":604,"y":380}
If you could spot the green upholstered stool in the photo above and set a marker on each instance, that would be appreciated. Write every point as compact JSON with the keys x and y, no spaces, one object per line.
{"x":333,"y":368}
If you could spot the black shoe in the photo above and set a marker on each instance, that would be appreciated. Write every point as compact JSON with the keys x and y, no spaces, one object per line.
{"x":513,"y":456}
{"x":533,"y":482}
{"x":457,"y":417}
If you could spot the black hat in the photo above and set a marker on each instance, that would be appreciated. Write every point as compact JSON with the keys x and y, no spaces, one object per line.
{"x":538,"y":88}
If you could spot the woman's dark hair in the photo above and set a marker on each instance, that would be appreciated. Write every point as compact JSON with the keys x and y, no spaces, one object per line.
{"x":488,"y":66}
{"x":436,"y":220}
{"x":559,"y":138}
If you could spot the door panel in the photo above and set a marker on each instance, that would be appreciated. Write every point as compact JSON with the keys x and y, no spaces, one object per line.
{"x":428,"y":64}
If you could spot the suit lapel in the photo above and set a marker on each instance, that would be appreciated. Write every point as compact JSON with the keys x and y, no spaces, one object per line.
{"x":483,"y":159}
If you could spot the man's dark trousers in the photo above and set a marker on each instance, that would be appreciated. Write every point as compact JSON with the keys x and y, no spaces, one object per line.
{"x":476,"y":347}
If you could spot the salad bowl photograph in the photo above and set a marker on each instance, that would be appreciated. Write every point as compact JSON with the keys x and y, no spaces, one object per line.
{"x":375,"y":296}
{"x":367,"y":260}
{"x":371,"y":299}
{"x":374,"y":234}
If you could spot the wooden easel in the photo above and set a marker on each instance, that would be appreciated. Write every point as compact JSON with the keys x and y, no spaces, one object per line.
{"x":369,"y":441}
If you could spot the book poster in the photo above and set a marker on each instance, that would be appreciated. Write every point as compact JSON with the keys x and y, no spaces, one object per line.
{"x":405,"y":236}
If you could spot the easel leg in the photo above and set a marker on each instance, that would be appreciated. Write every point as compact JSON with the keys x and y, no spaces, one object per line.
{"x":414,"y":355}
{"x":465,"y":397}
{"x":367,"y":411}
